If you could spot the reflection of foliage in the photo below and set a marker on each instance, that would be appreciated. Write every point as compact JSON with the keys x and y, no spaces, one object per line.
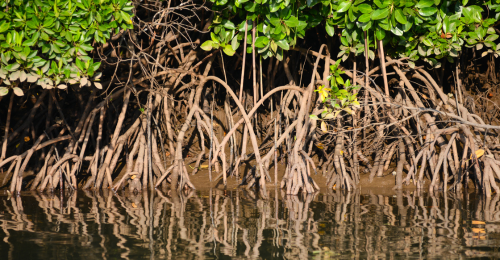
{"x":430,"y":30}
{"x":48,"y":42}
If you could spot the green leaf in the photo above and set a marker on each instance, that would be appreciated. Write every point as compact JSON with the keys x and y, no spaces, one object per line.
{"x":214,"y":38}
{"x":492,"y":37}
{"x":329,"y":29}
{"x":400,"y":16}
{"x":364,"y":18}
{"x":30,"y":42}
{"x":235,"y":43}
{"x":56,"y":48}
{"x":207,"y":45}
{"x":292,"y":21}
{"x":12,"y":67}
{"x":397,"y":30}
{"x":273,"y":7}
{"x":344,"y":41}
{"x":4,"y":26}
{"x":228,"y":50}
{"x":31,"y":24}
{"x":352,"y":17}
{"x":365,"y":8}
{"x":446,"y":24}
{"x":261,"y":42}
{"x":96,"y":66}
{"x":79,"y":64}
{"x":340,"y":80}
{"x":380,"y":4}
{"x":48,"y":22}
{"x":228,"y":24}
{"x":380,"y":33}
{"x":424,"y":3}
{"x":283,"y":44}
{"x":126,"y":17}
{"x":366,"y":26}
{"x":314,"y":117}
{"x":427,"y":42}
{"x":48,"y":31}
{"x":344,"y":6}
{"x":380,"y":14}
{"x":428,"y":11}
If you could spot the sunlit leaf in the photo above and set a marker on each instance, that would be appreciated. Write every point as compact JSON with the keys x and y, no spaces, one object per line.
{"x":380,"y":14}
{"x":324,"y":127}
{"x":18,"y":91}
{"x":344,"y":6}
{"x":478,"y":153}
{"x":4,"y":91}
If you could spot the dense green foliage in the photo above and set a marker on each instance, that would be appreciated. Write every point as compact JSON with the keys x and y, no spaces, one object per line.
{"x":428,"y":30}
{"x":50,"y":42}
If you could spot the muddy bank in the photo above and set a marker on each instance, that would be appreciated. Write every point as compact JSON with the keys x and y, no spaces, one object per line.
{"x":384,"y":184}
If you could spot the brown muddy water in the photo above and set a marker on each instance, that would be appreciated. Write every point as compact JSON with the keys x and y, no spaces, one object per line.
{"x":237,"y":224}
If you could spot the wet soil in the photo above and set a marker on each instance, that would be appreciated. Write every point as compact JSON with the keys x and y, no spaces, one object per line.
{"x":382,"y":184}
{"x":201,"y":179}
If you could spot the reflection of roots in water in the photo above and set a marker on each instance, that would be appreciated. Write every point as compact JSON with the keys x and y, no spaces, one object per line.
{"x":218,"y":222}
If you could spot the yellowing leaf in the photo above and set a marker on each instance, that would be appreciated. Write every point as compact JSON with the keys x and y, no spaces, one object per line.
{"x":133,"y":205}
{"x":348,"y":110}
{"x":320,"y":146}
{"x":323,"y":92}
{"x":341,"y":152}
{"x":477,"y":222}
{"x":324,"y":127}
{"x":324,"y":95}
{"x":329,"y":116}
{"x":26,"y":139}
{"x":132,"y":177}
{"x":478,"y":153}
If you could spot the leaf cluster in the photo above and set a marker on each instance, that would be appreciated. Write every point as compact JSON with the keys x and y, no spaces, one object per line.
{"x":49,"y":42}
{"x":428,"y":30}
{"x":340,"y":96}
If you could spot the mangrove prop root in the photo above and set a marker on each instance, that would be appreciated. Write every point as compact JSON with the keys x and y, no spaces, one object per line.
{"x":140,"y":131}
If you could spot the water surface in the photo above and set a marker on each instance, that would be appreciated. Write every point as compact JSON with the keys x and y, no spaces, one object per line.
{"x":238,"y":224}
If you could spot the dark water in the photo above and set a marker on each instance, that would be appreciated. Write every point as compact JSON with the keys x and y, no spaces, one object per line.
{"x":238,"y":225}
